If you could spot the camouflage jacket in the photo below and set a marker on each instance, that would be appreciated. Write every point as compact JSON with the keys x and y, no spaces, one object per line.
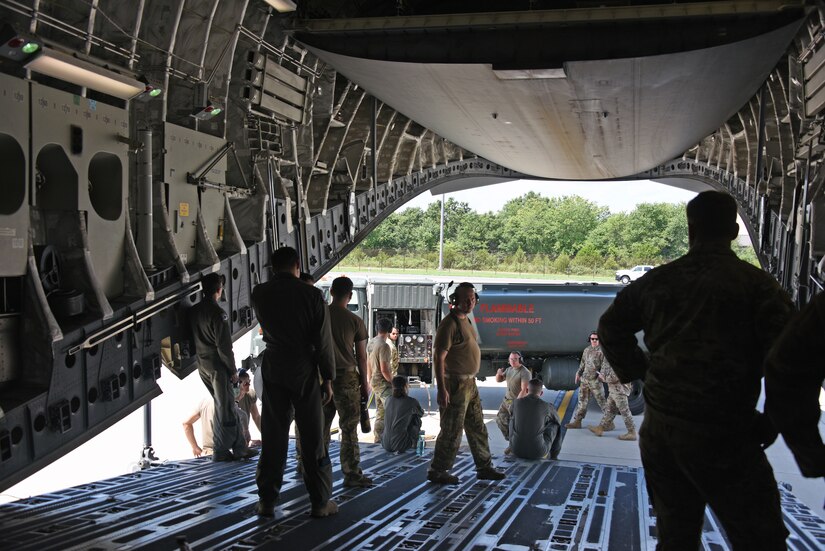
{"x":591,"y":363}
{"x":614,"y":385}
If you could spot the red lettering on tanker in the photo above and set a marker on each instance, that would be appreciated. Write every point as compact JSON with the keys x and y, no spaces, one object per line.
{"x":513,"y":320}
{"x":508,"y":332}
{"x":516,"y":344}
{"x":485,"y":308}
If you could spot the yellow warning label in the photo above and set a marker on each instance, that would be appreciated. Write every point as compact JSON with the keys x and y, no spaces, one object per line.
{"x":183,"y":209}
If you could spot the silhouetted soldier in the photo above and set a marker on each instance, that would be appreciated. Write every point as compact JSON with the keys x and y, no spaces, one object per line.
{"x":296,"y":330}
{"x":216,"y":366}
{"x":588,"y":379}
{"x":708,"y":320}
{"x":794,"y":375}
{"x":456,"y":360}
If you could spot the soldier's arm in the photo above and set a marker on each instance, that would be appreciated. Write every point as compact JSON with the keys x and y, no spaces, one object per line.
{"x":224,"y":341}
{"x":361,"y":359}
{"x":322,"y":341}
{"x":189,"y":432}
{"x":617,"y":334}
{"x":384,"y":364}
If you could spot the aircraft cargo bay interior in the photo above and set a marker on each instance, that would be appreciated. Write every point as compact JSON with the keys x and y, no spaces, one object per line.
{"x":150,"y":145}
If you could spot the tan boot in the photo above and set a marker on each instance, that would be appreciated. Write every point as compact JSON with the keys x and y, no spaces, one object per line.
{"x":325,"y":510}
{"x":597,"y":430}
{"x":574,"y":425}
{"x":629,"y":435}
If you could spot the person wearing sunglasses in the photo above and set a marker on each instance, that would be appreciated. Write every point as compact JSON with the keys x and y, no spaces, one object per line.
{"x":587,"y":377}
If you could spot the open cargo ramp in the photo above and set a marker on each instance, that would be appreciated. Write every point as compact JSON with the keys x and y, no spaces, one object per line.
{"x":540,"y":505}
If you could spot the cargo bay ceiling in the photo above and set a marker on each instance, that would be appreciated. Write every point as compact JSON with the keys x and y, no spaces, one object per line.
{"x":308,"y":127}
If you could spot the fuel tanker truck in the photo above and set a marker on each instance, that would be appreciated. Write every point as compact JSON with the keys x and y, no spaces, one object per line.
{"x":548,"y":323}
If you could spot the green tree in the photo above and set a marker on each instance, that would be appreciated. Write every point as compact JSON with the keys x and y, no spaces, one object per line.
{"x":548,"y":225}
{"x":562,"y":264}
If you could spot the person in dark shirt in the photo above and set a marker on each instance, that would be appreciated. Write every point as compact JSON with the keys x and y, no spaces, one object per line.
{"x":709,"y":320}
{"x":535,"y":427}
{"x":794,"y":375}
{"x":216,"y":366}
{"x":402,"y":418}
{"x":298,"y":340}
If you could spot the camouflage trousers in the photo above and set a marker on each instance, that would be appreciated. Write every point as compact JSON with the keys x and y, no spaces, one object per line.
{"x":503,"y":418}
{"x":346,"y":389}
{"x":588,"y":388}
{"x":463,"y":413}
{"x":617,"y":403}
{"x":382,"y":391}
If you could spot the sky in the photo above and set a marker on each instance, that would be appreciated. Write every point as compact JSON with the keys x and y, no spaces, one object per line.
{"x":617,"y":196}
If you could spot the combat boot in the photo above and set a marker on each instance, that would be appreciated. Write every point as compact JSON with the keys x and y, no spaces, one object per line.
{"x":265,"y":509}
{"x":441,"y":477}
{"x":597,"y":430}
{"x":489,"y":473}
{"x":246,"y":453}
{"x":357,"y":481}
{"x":574,"y":424}
{"x":325,"y":510}
{"x":629,"y":435}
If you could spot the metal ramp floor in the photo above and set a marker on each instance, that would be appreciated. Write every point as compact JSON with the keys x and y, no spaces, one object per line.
{"x":556,"y":505}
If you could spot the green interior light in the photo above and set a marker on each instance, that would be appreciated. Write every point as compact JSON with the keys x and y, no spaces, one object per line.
{"x":30,"y":47}
{"x":215,"y":111}
{"x":155,"y":92}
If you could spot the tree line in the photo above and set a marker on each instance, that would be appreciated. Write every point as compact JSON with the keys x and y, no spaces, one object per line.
{"x":531,"y":233}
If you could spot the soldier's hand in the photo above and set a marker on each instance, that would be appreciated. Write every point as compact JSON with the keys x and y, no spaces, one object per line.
{"x":577,"y":378}
{"x":197,"y":451}
{"x":326,"y":390}
{"x":234,"y":378}
{"x":443,"y":397}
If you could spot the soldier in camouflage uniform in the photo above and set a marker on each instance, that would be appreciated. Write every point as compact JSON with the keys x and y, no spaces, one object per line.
{"x":393,"y":342}
{"x":709,"y":320}
{"x":379,"y":356}
{"x":589,"y":384}
{"x":349,"y":335}
{"x":517,"y":377}
{"x":617,"y":393}
{"x":456,"y":360}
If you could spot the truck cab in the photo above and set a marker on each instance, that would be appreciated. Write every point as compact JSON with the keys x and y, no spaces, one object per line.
{"x":634,"y":273}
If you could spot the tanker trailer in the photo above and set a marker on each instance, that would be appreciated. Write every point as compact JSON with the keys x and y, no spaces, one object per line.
{"x":548,"y":323}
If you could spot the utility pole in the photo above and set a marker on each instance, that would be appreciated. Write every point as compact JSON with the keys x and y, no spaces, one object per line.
{"x":441,"y":237}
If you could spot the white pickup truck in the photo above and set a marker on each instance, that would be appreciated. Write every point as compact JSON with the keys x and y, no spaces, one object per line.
{"x":626,"y":276}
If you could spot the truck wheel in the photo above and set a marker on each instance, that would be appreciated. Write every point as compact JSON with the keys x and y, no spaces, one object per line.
{"x":625,"y":279}
{"x":636,"y":400}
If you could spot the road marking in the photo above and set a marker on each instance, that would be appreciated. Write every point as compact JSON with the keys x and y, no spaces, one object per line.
{"x":565,"y":402}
